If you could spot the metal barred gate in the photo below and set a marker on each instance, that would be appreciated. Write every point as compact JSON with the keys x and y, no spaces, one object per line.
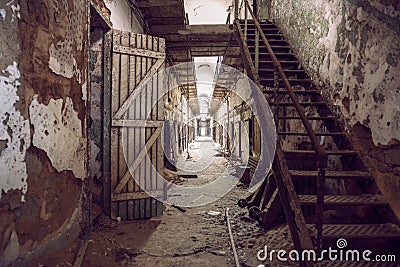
{"x":131,"y":64}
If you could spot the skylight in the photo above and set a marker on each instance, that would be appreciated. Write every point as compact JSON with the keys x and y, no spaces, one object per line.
{"x":207,"y":11}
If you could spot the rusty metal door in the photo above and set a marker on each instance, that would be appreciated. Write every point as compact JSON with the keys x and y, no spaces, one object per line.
{"x":132,"y":122}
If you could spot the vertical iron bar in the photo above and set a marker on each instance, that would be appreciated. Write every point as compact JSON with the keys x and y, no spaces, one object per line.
{"x":276,"y":104}
{"x":245,"y":23}
{"x":107,"y":55}
{"x":228,"y":143}
{"x":255,"y":8}
{"x":236,"y":9}
{"x":257,"y":50}
{"x":87,"y":183}
{"x":320,"y":207}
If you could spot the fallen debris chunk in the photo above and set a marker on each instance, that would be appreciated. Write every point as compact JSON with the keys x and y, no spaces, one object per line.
{"x":81,"y":253}
{"x":218,"y":252}
{"x":228,"y":222}
{"x":179,"y":208}
{"x":213,"y":213}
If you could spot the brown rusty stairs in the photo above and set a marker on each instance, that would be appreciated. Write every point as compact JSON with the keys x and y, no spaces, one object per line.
{"x":318,"y":180}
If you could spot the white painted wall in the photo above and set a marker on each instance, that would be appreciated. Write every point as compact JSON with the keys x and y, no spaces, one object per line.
{"x":122,"y":18}
{"x":207,"y":12}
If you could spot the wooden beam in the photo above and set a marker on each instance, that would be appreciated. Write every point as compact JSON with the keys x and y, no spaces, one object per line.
{"x":124,"y":107}
{"x":158,"y":3}
{"x":81,"y":253}
{"x":135,"y":195}
{"x":107,"y":113}
{"x":137,"y":52}
{"x":207,"y":29}
{"x":196,"y":44}
{"x":137,"y":123}
{"x":136,"y":162}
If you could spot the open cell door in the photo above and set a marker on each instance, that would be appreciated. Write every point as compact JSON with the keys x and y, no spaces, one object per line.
{"x":132,"y":123}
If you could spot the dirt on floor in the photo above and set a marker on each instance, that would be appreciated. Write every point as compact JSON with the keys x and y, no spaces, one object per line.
{"x":180,"y":237}
{"x":189,"y":237}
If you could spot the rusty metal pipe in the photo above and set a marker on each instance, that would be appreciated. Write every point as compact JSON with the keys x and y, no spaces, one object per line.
{"x":228,"y":222}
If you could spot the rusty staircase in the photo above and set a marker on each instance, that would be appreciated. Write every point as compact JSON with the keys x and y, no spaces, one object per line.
{"x":301,"y":171}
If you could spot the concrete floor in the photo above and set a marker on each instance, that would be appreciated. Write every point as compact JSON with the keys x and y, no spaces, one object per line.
{"x":215,"y":175}
{"x":194,"y":236}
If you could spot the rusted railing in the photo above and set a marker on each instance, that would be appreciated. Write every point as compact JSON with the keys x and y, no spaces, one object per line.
{"x":319,"y":150}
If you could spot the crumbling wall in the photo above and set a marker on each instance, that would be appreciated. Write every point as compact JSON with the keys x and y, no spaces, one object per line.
{"x":43,"y":125}
{"x":96,"y":100}
{"x":350,"y":49}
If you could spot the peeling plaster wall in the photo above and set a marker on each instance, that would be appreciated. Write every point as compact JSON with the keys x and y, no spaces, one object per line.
{"x":96,"y":100}
{"x":62,"y":61}
{"x":58,"y":123}
{"x":42,"y":125}
{"x":351,"y":50}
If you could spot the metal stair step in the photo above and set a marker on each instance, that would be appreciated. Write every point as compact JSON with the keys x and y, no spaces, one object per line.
{"x":304,"y":104}
{"x":358,"y":231}
{"x":331,"y":174}
{"x":283,"y":62}
{"x":265,"y":54}
{"x":292,"y":81}
{"x":266,"y":24}
{"x":251,"y":23}
{"x":309,"y":118}
{"x":360,"y":263}
{"x":295,"y":71}
{"x":300,"y":92}
{"x":268,"y":35}
{"x":262,"y":47}
{"x":329,"y":153}
{"x":251,"y":31}
{"x":272,"y":42}
{"x":317,"y":133}
{"x":348,"y":200}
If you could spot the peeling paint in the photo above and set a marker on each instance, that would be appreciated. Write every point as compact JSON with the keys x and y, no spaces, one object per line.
{"x":84,"y":91}
{"x":15,"y":10}
{"x":3,"y":13}
{"x":58,"y":132}
{"x":355,"y":57}
{"x":62,"y":61}
{"x":14,"y":129}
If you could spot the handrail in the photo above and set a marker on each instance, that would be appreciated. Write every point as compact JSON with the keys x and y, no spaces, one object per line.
{"x":322,"y":158}
{"x":291,"y":203}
